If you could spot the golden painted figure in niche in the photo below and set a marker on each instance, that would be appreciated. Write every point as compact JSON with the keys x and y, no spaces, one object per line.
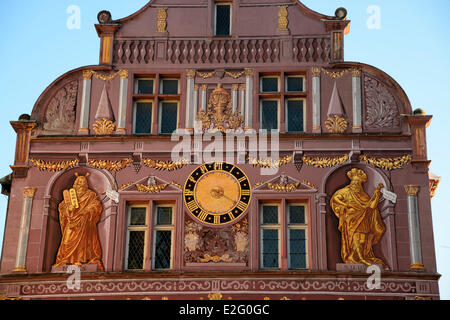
{"x":79,"y":214}
{"x":360,"y":222}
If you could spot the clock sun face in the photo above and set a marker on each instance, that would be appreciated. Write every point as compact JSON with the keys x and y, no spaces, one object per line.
{"x":217,"y":193}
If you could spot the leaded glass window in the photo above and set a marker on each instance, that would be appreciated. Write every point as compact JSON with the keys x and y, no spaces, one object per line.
{"x":162,"y":249}
{"x":269,"y":114}
{"x":295,"y":115}
{"x":223,"y":20}
{"x":169,"y":86}
{"x":168,"y":117}
{"x":297,"y":236}
{"x":270,"y":236}
{"x":294,"y":84}
{"x":270,"y":244}
{"x":143,"y":117}
{"x":136,"y":237}
{"x":144,"y":86}
{"x":269,"y":84}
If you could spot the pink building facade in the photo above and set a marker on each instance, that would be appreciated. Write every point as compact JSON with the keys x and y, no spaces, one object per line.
{"x":282,"y":67}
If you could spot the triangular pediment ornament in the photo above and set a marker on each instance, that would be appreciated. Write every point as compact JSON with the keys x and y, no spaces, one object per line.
{"x":285,"y":183}
{"x":151,"y":184}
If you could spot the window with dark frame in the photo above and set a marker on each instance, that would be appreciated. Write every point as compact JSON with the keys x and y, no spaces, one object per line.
{"x":270,"y":236}
{"x":169,"y":86}
{"x":297,"y":241}
{"x":223,"y":20}
{"x":162,"y":254}
{"x":168,"y":117}
{"x":294,"y":115}
{"x":143,"y":117}
{"x":137,"y":228}
{"x":269,"y":114}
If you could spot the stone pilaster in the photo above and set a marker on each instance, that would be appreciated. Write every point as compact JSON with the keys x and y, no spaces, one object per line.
{"x":123,"y":101}
{"x":28,"y":195}
{"x":414,"y":228}
{"x":316,"y":126}
{"x":357,"y":108}
{"x":248,"y":120}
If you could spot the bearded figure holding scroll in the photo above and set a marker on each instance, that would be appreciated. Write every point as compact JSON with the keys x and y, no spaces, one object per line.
{"x":360,"y":222}
{"x":79,"y":214}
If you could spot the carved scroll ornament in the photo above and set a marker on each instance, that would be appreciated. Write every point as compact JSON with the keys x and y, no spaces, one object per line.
{"x":60,"y":113}
{"x":382,"y":109}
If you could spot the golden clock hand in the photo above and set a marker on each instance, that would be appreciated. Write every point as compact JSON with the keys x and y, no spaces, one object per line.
{"x":228,"y":198}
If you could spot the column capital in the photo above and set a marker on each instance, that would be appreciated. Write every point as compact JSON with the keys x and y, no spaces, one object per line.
{"x":412,"y":190}
{"x":316,"y":71}
{"x":190,"y":73}
{"x":249,"y":72}
{"x":28,"y":192}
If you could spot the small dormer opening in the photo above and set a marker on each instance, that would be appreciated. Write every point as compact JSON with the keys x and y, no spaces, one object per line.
{"x":222,"y":19}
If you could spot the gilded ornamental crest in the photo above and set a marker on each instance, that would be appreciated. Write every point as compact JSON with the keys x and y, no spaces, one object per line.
{"x":219,"y":115}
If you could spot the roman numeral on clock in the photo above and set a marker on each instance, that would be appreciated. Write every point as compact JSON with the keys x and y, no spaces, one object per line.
{"x":202,"y":215}
{"x":216,"y":219}
{"x":218,"y":166}
{"x":241,"y":206}
{"x":242,"y":179}
{"x":245,"y":192}
{"x":188,"y":192}
{"x":192,"y":206}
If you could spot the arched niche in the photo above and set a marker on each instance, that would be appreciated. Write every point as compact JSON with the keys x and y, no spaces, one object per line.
{"x":336,"y":180}
{"x":99,"y":181}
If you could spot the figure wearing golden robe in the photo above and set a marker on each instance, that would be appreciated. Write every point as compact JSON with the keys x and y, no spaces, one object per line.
{"x":79,"y":214}
{"x":360,"y":222}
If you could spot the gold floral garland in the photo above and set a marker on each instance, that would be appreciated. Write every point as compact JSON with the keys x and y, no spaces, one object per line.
{"x":387,"y":163}
{"x":87,"y":74}
{"x":270,"y":163}
{"x":151,"y":188}
{"x":54,"y":166}
{"x":165,"y":165}
{"x":339,"y":74}
{"x":110,"y":165}
{"x":290,"y":187}
{"x":325,"y":162}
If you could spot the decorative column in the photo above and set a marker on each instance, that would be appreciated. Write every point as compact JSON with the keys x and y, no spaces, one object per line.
{"x":195,"y":104}
{"x":123,"y":99}
{"x":357,"y":109}
{"x":243,"y":89}
{"x":23,"y":128}
{"x":28,"y":195}
{"x":414,"y":228}
{"x":248,"y":122}
{"x":190,"y":76}
{"x":316,"y":126}
{"x":234,"y":97}
{"x":85,"y":102}
{"x":204,"y":102}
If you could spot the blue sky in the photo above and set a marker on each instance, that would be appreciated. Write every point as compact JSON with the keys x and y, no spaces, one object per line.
{"x":412,"y":44}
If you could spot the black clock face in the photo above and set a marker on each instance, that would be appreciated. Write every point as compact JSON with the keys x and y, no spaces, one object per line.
{"x":217,"y":193}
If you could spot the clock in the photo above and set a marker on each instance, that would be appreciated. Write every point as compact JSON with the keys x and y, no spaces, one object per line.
{"x":217,"y":193}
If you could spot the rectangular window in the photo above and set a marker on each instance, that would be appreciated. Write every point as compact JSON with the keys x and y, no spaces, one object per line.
{"x":270,"y":84}
{"x":270,"y":237}
{"x":295,"y":115}
{"x":144,"y":86}
{"x":169,"y":86}
{"x":136,"y":235}
{"x":223,"y":20}
{"x":295,"y":84}
{"x":269,"y":114}
{"x":163,"y":239}
{"x":297,"y":239}
{"x":168,"y":117}
{"x":143,"y":117}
